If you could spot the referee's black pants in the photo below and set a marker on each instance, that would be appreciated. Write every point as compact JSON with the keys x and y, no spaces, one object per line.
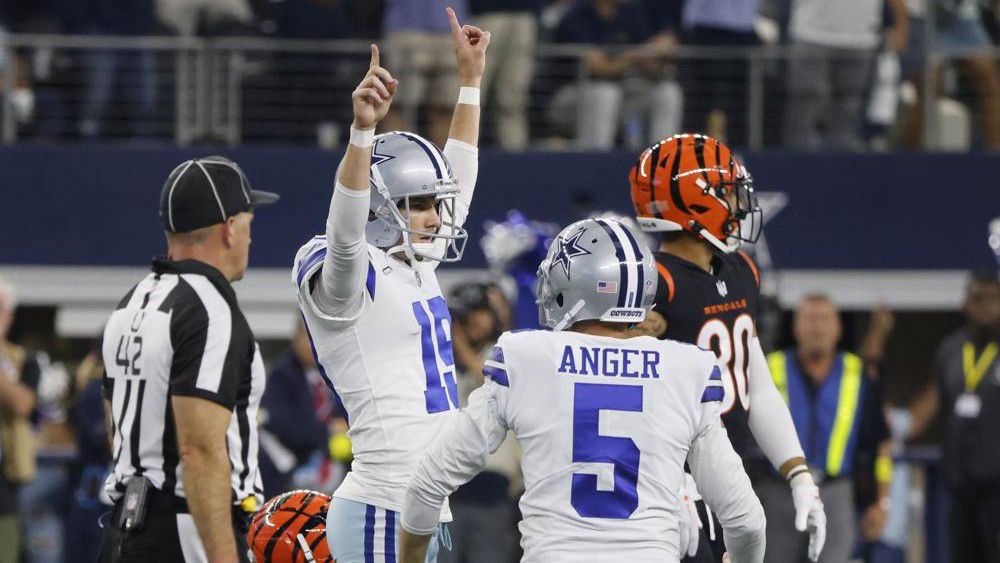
{"x":169,"y":535}
{"x":975,"y":526}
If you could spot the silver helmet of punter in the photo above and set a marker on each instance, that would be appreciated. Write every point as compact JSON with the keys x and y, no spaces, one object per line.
{"x":406,"y":166}
{"x":596,"y":269}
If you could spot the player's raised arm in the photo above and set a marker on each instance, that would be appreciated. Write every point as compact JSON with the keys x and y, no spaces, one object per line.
{"x":344,"y":265}
{"x":723,"y":483}
{"x":470,"y":43}
{"x":461,"y":149}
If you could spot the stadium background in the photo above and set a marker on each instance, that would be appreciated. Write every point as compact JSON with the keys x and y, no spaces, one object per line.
{"x":891,"y":224}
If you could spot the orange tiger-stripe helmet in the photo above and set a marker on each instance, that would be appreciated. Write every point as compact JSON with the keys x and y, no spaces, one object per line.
{"x":276,"y":528}
{"x":694,"y":183}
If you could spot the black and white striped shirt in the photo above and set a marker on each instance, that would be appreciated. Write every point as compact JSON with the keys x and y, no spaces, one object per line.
{"x":180,"y":332}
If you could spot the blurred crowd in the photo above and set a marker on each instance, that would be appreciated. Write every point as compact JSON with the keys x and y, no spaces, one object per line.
{"x":853,"y":75}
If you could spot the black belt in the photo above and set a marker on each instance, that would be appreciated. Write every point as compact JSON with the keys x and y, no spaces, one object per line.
{"x":165,"y":501}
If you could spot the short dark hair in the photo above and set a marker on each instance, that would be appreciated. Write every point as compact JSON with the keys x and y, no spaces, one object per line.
{"x":672,"y":236}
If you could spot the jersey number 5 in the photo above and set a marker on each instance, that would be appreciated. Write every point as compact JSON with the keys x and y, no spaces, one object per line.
{"x":440,"y":395}
{"x":590,"y":447}
{"x":731,"y":349}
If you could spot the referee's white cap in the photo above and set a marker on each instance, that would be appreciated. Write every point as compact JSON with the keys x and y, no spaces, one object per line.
{"x":206,"y":191}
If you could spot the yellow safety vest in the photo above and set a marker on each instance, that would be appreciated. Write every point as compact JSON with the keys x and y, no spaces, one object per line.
{"x":826,"y":424}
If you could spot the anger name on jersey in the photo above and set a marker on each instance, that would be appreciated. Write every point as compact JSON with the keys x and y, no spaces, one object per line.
{"x":604,"y":454}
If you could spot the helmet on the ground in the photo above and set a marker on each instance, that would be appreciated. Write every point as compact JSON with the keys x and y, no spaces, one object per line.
{"x":291,"y":528}
{"x":596,"y":269}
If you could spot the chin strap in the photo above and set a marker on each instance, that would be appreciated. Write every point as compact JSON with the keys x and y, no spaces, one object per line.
{"x":569,"y":316}
{"x":704,"y":233}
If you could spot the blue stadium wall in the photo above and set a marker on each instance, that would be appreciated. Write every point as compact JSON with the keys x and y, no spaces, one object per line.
{"x":98,"y":205}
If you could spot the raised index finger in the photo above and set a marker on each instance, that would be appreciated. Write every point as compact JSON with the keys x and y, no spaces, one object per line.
{"x":375,"y":57}
{"x":456,"y":29}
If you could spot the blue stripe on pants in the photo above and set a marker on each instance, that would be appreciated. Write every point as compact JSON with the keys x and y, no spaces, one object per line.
{"x":354,"y":529}
{"x":370,"y":534}
{"x":390,"y":536}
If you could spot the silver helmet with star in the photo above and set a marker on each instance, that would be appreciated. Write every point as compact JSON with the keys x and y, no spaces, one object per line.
{"x":406,"y":166}
{"x":596,"y":269}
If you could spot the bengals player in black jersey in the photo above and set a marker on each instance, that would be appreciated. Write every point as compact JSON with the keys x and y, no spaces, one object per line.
{"x":699,"y":197}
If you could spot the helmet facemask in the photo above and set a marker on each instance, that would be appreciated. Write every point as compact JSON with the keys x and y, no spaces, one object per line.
{"x":448,"y":240}
{"x":745,"y":218}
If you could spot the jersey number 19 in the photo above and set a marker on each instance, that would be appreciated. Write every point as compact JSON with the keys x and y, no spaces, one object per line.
{"x":442,"y":393}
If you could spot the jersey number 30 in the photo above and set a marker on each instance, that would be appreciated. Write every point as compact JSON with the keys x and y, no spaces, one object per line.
{"x":440,"y":395}
{"x":590,"y":447}
{"x":731,"y":349}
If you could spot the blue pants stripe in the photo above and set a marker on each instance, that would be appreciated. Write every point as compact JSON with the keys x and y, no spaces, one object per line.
{"x":363,"y":533}
{"x":369,"y":534}
{"x":390,"y":537}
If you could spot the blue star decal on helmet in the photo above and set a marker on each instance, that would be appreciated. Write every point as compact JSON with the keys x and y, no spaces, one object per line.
{"x":379,"y":158}
{"x":569,"y":248}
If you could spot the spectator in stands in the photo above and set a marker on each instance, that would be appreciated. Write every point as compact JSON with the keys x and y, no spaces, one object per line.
{"x":86,"y":415}
{"x":716,"y":90}
{"x":303,"y":425}
{"x":837,"y":410}
{"x":967,"y":389}
{"x":483,"y":526}
{"x":514,"y":24}
{"x":45,"y":500}
{"x":19,"y":374}
{"x":613,"y":73}
{"x":15,"y":81}
{"x":958,"y":25}
{"x":135,"y":70}
{"x":206,"y":17}
{"x":418,"y":48}
{"x":833,"y":47}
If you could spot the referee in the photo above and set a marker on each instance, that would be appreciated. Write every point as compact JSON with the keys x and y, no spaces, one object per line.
{"x":183,"y":382}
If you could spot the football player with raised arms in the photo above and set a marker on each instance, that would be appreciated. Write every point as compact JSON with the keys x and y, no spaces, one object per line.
{"x":605,"y":421}
{"x":369,"y":295}
{"x":694,"y":192}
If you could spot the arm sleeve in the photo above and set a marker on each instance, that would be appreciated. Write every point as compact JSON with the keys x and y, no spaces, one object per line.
{"x":770,"y":421}
{"x":464,"y":161}
{"x":345,"y":258}
{"x":725,"y":487}
{"x":456,"y":456}
{"x":209,"y":358}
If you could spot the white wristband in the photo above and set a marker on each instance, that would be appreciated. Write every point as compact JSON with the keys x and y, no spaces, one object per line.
{"x":362,"y":138}
{"x":468,"y":95}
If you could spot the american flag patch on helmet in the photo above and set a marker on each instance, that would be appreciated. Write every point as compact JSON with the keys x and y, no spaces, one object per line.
{"x":607,"y":287}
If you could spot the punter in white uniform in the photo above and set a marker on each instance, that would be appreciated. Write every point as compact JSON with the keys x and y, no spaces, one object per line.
{"x":605,"y":422}
{"x":371,"y":302}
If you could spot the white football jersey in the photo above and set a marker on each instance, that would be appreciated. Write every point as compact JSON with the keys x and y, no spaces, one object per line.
{"x":392,"y":366}
{"x":605,"y":426}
